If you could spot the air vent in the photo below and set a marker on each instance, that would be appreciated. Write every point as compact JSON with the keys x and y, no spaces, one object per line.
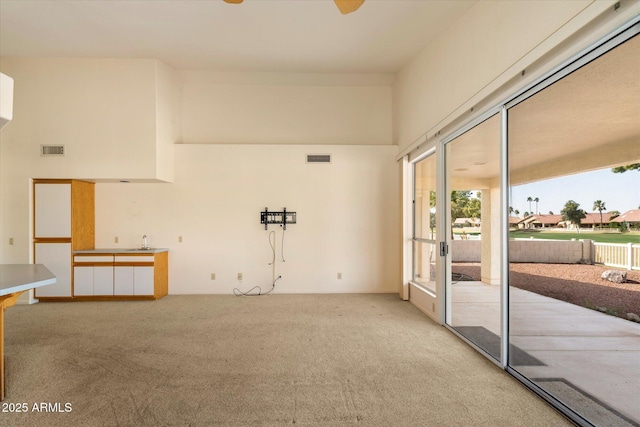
{"x":52,"y":150}
{"x":318,"y":158}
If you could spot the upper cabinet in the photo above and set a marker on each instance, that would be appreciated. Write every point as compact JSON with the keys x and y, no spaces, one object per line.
{"x":52,"y":210}
{"x":65,"y":209}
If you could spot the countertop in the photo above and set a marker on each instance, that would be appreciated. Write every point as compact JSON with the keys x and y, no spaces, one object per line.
{"x":100,"y":251}
{"x":21,"y":277}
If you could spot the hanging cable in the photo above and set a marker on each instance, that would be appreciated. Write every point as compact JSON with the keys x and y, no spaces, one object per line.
{"x":252,"y":292}
{"x":273,"y":248}
{"x":282,"y":246}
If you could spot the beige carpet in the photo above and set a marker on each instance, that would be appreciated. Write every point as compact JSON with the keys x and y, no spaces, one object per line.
{"x":318,"y":360}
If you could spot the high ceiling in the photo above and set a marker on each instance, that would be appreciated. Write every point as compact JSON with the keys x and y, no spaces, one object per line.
{"x":257,"y":35}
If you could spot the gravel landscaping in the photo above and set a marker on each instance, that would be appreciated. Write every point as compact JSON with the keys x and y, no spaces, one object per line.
{"x":574,"y":283}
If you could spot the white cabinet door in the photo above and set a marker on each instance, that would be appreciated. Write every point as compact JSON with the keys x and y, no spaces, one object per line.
{"x":143,"y":280}
{"x":83,"y":281}
{"x":57,"y":258}
{"x":103,"y":280}
{"x":123,"y":280}
{"x":52,"y":210}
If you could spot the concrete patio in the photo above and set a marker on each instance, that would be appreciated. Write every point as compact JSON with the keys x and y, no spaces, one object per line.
{"x":590,"y":360}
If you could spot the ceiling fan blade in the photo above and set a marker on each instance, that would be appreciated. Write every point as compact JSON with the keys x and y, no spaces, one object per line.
{"x":233,"y":1}
{"x":347,"y":6}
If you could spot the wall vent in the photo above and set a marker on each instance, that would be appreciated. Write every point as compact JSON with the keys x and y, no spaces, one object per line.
{"x":318,"y":158}
{"x":52,"y":150}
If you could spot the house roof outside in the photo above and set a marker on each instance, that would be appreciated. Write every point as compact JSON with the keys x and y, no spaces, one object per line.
{"x":545,"y":219}
{"x":629,"y":216}
{"x":594,"y":218}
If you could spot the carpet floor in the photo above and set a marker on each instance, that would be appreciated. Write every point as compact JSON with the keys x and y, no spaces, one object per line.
{"x":316,"y":360}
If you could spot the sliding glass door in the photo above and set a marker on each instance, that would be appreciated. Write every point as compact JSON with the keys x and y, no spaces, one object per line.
{"x":537,"y":258}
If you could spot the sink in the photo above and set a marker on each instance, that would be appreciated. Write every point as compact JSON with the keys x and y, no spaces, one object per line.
{"x":142,"y":249}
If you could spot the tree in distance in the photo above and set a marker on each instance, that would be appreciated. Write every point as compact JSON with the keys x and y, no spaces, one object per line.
{"x":599,"y":206}
{"x":572,"y":213}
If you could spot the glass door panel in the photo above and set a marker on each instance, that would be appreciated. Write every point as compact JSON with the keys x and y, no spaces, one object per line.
{"x":472,"y":167}
{"x":573,"y":151}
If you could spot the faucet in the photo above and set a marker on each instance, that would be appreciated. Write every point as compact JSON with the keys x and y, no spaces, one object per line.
{"x":145,"y":242}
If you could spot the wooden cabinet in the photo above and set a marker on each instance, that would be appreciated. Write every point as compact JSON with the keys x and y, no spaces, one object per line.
{"x":52,"y":210}
{"x":123,"y":280}
{"x":64,"y":221}
{"x":92,"y":275}
{"x":143,"y":280}
{"x":82,"y":280}
{"x":57,"y":258}
{"x":120,"y":275}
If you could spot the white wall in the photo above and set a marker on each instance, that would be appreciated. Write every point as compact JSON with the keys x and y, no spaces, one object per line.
{"x":490,"y":45}
{"x":168,"y":118}
{"x":262,"y":109}
{"x":102,"y":110}
{"x":348,"y":218}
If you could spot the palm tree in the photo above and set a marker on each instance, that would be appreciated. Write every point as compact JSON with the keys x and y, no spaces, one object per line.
{"x":517,"y":212}
{"x":536,"y":200}
{"x":599,"y":206}
{"x":529,"y":199}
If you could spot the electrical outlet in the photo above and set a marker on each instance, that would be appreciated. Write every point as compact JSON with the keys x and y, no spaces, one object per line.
{"x":11,"y":240}
{"x":180,"y":239}
{"x":116,"y":240}
{"x":339,"y":275}
{"x":213,"y":276}
{"x":240,"y":276}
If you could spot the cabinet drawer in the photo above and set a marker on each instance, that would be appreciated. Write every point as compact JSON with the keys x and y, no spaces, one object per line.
{"x":92,"y":259}
{"x":134,"y":259}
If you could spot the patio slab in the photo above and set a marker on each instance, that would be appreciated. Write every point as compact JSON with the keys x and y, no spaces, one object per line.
{"x":596,"y":353}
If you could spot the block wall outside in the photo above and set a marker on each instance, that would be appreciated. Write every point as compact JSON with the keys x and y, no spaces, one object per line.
{"x":526,"y":250}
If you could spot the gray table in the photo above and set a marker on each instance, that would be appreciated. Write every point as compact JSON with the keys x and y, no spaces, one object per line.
{"x":14,"y":280}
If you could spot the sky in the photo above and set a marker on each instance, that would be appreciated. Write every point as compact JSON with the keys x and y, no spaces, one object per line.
{"x":618,"y":191}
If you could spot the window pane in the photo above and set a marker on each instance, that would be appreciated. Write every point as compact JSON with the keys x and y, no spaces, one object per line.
{"x":424,"y":265}
{"x":425,"y":199}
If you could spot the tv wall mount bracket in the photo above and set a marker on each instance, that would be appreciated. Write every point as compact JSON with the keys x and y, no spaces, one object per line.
{"x":277,"y":217}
